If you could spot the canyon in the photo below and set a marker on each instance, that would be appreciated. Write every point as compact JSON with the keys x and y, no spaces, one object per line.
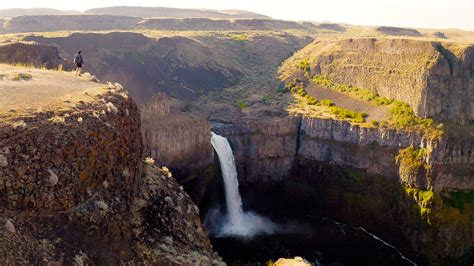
{"x":78,"y":160}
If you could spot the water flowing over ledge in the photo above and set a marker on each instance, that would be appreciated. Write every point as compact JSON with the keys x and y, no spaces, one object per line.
{"x":235,"y":222}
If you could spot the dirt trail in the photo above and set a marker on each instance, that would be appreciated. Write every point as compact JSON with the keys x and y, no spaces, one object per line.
{"x":45,"y":90}
{"x":342,"y":100}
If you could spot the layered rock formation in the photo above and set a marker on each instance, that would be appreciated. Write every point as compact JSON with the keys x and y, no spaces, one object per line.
{"x":175,"y":139}
{"x":68,"y":22}
{"x":450,"y":161}
{"x":218,"y":25}
{"x":264,"y":150}
{"x":180,"y":141}
{"x":165,"y":12}
{"x":397,"y":31}
{"x":25,"y":53}
{"x":72,"y":185}
{"x":48,"y":23}
{"x":434,"y":78}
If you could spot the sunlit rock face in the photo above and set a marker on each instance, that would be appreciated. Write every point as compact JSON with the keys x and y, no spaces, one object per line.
{"x":436,"y":79}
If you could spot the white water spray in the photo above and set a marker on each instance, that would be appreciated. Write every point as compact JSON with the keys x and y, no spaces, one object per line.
{"x":236,"y":222}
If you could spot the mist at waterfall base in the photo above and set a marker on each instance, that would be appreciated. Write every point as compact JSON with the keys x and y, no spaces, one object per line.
{"x":235,"y":222}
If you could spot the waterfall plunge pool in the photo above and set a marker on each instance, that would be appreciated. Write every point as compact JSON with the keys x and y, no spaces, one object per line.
{"x":244,"y":237}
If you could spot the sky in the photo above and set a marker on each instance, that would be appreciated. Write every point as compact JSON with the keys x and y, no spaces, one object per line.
{"x":404,"y":13}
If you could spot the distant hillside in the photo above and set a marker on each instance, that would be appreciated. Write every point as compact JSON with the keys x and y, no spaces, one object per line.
{"x":111,"y":22}
{"x":16,"y":12}
{"x":70,"y":22}
{"x":148,"y":12}
{"x":218,"y":24}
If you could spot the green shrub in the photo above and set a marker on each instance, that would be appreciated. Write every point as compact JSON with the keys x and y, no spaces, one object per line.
{"x":411,"y":161}
{"x":21,"y":76}
{"x":327,"y":102}
{"x":312,"y":100}
{"x":301,"y":91}
{"x":242,"y":105}
{"x":360,"y":118}
{"x":304,"y":65}
{"x":241,"y":39}
{"x":382,"y":101}
{"x":374,"y":123}
{"x":342,"y":113}
{"x":403,"y":116}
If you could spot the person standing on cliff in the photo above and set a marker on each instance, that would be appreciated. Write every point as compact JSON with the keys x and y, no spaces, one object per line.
{"x":78,"y":61}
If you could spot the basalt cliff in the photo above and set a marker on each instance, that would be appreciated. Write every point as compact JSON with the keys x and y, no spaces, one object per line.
{"x":73,"y":182}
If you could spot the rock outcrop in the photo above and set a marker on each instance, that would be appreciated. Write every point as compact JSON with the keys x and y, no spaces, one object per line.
{"x":440,"y":34}
{"x":166,"y":225}
{"x":450,"y":161}
{"x":180,"y":141}
{"x":176,"y":139}
{"x":27,"y":53}
{"x":398,"y":31}
{"x":434,"y":78}
{"x":264,"y":151}
{"x":73,"y":187}
{"x":100,"y":142}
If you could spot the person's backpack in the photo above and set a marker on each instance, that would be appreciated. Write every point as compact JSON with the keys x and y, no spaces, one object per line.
{"x":77,"y":59}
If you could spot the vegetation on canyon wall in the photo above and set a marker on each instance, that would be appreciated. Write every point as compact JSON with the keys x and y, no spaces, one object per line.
{"x":401,"y":115}
{"x":412,"y":163}
{"x":325,"y":105}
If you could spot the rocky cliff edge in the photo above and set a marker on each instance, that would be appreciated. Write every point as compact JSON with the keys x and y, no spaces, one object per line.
{"x":73,"y":186}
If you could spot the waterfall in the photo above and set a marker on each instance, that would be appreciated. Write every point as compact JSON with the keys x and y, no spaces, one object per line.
{"x":229,"y":174}
{"x":236,"y":222}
